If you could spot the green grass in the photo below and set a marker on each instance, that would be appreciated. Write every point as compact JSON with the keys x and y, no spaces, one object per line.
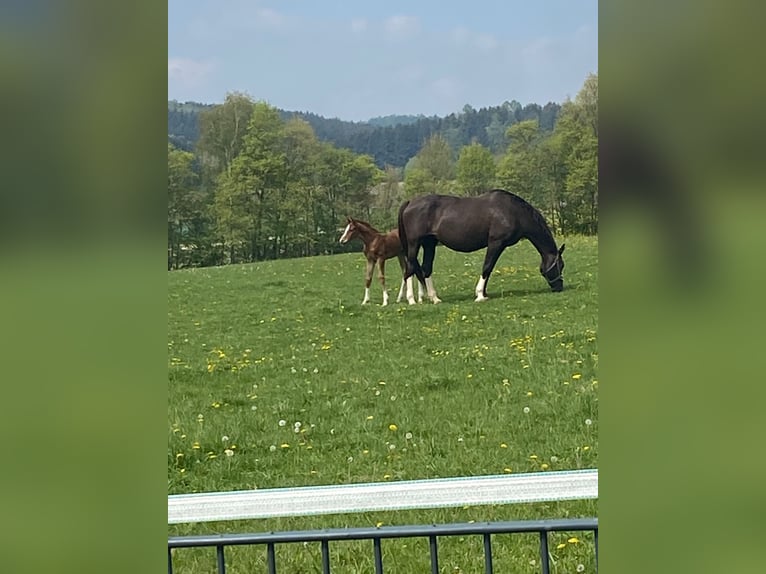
{"x":252,"y":345}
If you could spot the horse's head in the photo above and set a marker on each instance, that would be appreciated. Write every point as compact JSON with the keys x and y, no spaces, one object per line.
{"x":350,"y":232}
{"x":552,"y":268}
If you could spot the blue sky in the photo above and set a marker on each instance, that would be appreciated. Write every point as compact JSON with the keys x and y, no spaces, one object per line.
{"x":357,"y":60}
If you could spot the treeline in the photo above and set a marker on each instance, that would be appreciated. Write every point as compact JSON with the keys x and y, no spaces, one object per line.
{"x":391,"y":140}
{"x":259,"y":185}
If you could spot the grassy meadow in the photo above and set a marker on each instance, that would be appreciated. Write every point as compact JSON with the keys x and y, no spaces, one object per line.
{"x":278,"y":376}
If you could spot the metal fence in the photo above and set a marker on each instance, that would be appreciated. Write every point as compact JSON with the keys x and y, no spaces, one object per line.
{"x":336,"y":499}
{"x":432,"y":532}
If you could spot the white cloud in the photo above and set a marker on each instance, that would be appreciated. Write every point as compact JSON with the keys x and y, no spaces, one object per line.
{"x":445,"y":87}
{"x":460,"y":36}
{"x":486,"y":42}
{"x":358,"y":25}
{"x":399,"y":26}
{"x":268,"y":18}
{"x":188,"y":72}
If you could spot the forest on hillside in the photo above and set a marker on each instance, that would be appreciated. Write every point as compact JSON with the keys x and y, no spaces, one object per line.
{"x":247,"y":181}
{"x":390,"y":140}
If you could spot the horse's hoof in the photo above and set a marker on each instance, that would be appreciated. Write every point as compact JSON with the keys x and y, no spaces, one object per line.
{"x":481,"y":298}
{"x":436,"y":300}
{"x":365,"y":302}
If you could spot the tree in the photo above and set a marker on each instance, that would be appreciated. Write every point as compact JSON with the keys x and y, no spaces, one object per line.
{"x":475,"y":170}
{"x":432,"y":169}
{"x":184,"y":204}
{"x":222,"y":130}
{"x":246,"y":188}
{"x":578,"y":129}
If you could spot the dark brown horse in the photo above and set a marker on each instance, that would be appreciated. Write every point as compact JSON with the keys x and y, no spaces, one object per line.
{"x":495,"y":220}
{"x":378,"y":247}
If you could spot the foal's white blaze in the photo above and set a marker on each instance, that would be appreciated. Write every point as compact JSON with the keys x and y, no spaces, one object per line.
{"x":347,"y":231}
{"x":480,"y":290}
{"x":431,"y":290}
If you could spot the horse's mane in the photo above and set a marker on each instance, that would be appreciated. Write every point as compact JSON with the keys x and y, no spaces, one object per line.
{"x":537,"y":217}
{"x":362,"y":223}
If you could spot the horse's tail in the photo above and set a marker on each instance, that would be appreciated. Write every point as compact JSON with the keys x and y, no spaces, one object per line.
{"x":402,"y":232}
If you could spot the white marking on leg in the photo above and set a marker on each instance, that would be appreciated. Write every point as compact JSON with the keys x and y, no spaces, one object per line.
{"x":431,"y":290}
{"x":401,"y":291}
{"x":410,"y":295}
{"x":343,"y":237}
{"x":366,"y":296}
{"x":385,"y":297}
{"x":480,"y":290}
{"x":420,"y":292}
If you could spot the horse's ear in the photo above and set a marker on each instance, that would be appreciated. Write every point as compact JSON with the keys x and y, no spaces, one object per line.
{"x":561,"y":249}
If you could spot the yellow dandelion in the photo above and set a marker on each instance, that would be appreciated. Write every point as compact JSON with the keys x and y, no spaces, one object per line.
{"x":544,"y":466}
{"x":386,"y":476}
{"x":284,"y":445}
{"x":503,"y":445}
{"x":365,"y":451}
{"x":370,"y":417}
{"x":196,"y":446}
{"x":576,"y":376}
{"x":586,"y":448}
{"x":560,"y":546}
{"x":179,"y":455}
{"x":507,"y":470}
{"x":393,"y":427}
{"x":529,"y":393}
{"x":378,"y":524}
{"x":533,"y":456}
{"x":573,"y":540}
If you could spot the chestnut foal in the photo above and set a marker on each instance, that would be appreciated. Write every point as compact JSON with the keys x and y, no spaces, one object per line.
{"x":378,"y":247}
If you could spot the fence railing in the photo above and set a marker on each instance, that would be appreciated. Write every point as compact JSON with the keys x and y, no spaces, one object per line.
{"x":507,"y":489}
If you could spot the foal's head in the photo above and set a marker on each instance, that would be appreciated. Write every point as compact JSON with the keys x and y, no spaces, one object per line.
{"x":351,"y":231}
{"x":552,"y":268}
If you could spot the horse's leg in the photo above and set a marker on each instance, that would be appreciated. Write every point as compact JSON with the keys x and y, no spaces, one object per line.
{"x":382,"y":277}
{"x":403,"y":265}
{"x":413,"y":267}
{"x":494,"y":250}
{"x":368,"y":280}
{"x":429,"y":252}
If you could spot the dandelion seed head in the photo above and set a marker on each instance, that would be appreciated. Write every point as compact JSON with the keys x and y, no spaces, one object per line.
{"x":228,"y":452}
{"x":273,"y":448}
{"x":588,"y":422}
{"x":282,"y":422}
{"x":224,"y":438}
{"x":580,"y":568}
{"x":526,"y":410}
{"x":350,"y":459}
{"x":408,"y":436}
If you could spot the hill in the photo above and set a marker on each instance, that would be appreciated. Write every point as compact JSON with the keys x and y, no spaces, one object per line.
{"x":390,"y":140}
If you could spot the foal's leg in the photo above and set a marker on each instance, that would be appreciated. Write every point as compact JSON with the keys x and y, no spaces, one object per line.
{"x":494,"y":250}
{"x":368,"y":280}
{"x":382,"y":277}
{"x":429,"y":252}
